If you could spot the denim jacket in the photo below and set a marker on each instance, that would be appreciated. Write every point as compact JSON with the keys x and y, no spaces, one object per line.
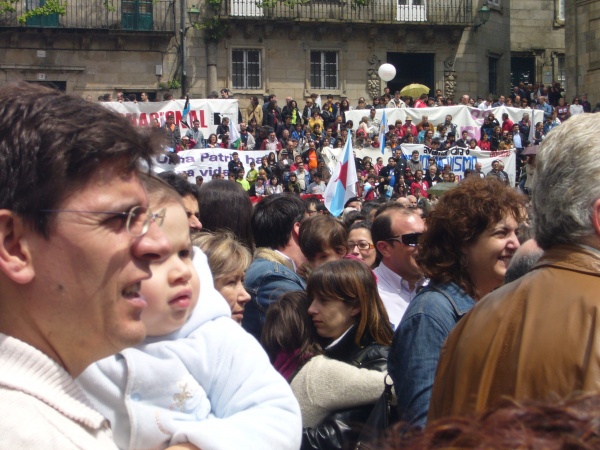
{"x":417,"y":343}
{"x":266,"y":279}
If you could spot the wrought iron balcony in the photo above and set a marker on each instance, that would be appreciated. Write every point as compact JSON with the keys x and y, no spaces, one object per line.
{"x":154,"y":16}
{"x":426,"y":12}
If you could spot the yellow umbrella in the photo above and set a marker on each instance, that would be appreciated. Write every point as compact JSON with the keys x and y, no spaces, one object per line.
{"x":414,"y":90}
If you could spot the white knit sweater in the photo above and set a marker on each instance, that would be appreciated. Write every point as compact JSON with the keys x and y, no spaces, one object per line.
{"x":325,"y":385}
{"x":42,"y":407}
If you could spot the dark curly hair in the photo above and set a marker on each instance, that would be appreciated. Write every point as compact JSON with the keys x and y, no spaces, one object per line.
{"x":572,"y":423}
{"x":458,"y":219}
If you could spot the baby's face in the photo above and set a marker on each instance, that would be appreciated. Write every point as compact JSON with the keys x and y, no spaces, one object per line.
{"x":172,"y":290}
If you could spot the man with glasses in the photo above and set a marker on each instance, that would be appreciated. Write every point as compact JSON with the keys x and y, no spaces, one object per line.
{"x":75,"y":246}
{"x":395,"y":233}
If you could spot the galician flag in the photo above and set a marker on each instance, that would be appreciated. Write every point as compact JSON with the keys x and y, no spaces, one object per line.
{"x":234,"y":137}
{"x":342,"y":185}
{"x":382,"y":131}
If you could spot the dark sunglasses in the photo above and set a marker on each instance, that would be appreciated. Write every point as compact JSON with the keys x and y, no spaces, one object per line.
{"x":410,"y":240}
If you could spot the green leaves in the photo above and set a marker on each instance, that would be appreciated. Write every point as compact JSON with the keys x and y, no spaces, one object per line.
{"x":49,"y":7}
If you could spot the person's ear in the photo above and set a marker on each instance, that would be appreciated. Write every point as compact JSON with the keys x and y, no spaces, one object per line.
{"x":15,"y":257}
{"x":384,"y":248}
{"x":296,"y":230}
{"x":596,"y":216}
{"x":355,"y":311}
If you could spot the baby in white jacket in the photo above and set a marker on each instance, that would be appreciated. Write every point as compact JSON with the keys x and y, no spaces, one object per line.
{"x":198,"y":377}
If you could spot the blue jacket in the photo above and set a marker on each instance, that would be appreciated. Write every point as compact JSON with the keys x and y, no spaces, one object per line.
{"x":416,"y":346}
{"x":266,"y":279}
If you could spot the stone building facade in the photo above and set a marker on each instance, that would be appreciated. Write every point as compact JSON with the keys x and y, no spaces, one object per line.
{"x":583,"y":48}
{"x":327,"y":48}
{"x":324,"y":47}
{"x":537,"y":37}
{"x":94,"y":48}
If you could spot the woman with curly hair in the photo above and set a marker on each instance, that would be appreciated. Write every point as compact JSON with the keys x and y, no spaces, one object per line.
{"x":212,"y":141}
{"x":465,"y":251}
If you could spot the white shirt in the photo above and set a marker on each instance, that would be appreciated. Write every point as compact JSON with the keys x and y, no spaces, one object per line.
{"x":394,"y":292}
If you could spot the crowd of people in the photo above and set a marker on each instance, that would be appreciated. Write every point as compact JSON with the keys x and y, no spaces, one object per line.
{"x":142,"y":311}
{"x":301,"y":138}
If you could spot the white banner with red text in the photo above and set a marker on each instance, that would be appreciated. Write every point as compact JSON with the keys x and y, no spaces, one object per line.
{"x":209,"y":112}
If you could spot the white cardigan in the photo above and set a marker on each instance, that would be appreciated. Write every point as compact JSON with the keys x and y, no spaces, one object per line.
{"x":325,"y":385}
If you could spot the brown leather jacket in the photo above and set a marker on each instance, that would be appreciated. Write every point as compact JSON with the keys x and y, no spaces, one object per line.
{"x":537,"y":336}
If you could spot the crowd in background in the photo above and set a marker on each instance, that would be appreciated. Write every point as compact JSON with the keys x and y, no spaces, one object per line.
{"x":142,"y":311}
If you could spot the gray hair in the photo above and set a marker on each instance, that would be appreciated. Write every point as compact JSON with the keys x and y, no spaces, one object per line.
{"x":523,"y":261}
{"x":562,"y":206}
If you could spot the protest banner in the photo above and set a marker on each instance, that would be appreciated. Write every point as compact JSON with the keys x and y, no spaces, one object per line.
{"x":465,"y":118}
{"x":207,"y":162}
{"x":458,"y":159}
{"x":208,"y":111}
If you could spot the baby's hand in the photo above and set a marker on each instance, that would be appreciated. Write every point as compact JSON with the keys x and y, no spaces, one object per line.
{"x":183,"y":447}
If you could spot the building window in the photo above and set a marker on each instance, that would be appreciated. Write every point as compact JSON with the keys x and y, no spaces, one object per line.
{"x":493,"y":74}
{"x":246,"y":67}
{"x":560,"y":70}
{"x":411,"y":11}
{"x":560,"y":9}
{"x":43,"y":20}
{"x":324,"y":68}
{"x":137,"y":15}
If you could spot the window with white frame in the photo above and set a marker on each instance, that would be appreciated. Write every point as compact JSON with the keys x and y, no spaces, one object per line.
{"x":246,"y":68}
{"x":324,"y":68}
{"x":560,"y":9}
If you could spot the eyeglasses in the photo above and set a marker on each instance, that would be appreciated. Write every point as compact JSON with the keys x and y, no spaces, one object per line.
{"x":410,"y":240}
{"x":138,"y":218}
{"x":362,"y":245}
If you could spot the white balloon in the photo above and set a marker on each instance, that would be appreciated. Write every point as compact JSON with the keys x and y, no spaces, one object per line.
{"x":386,"y":72}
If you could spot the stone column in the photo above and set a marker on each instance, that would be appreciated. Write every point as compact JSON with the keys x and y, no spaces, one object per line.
{"x":211,"y":68}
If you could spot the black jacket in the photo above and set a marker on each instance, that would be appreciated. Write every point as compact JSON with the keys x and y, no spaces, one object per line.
{"x":342,"y":428}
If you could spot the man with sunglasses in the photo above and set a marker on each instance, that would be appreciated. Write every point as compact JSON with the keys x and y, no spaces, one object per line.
{"x":76,"y":240}
{"x":395,"y":233}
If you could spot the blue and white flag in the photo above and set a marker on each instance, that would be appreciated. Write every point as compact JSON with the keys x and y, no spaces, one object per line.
{"x":382,"y":131}
{"x":342,"y":185}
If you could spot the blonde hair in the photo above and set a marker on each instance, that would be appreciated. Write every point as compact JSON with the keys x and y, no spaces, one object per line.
{"x":225,"y":253}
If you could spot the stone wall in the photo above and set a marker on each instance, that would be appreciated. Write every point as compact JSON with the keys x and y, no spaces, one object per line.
{"x":583,"y":48}
{"x":90,"y":65}
{"x":537,"y":30}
